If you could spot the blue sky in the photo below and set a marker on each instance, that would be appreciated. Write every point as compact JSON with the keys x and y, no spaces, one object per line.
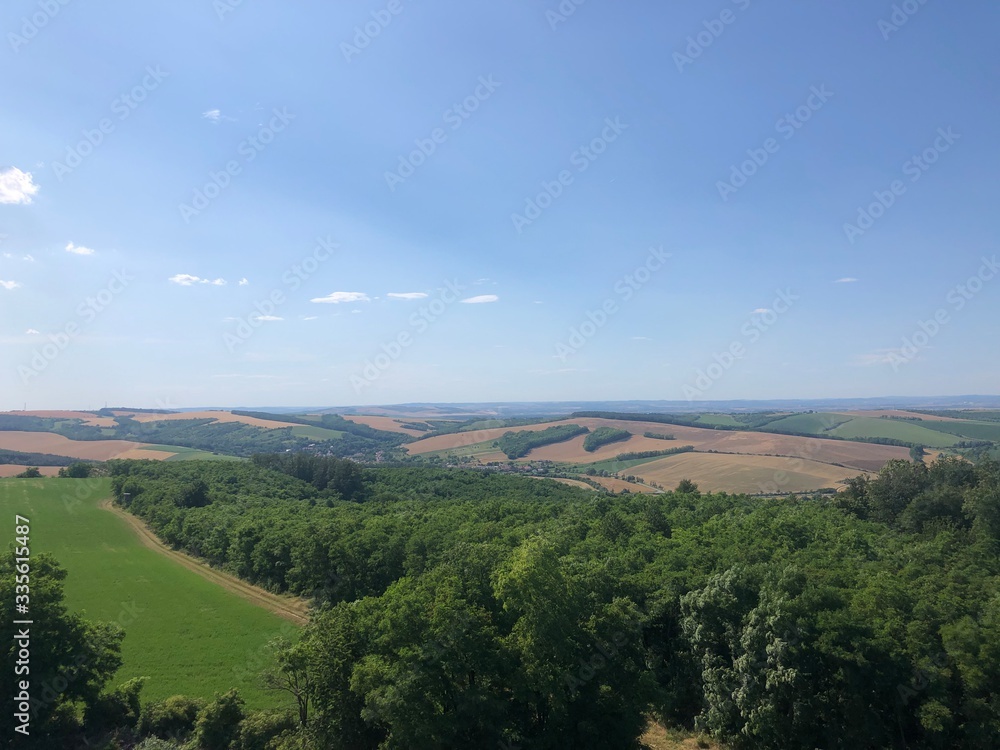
{"x":211,"y":203}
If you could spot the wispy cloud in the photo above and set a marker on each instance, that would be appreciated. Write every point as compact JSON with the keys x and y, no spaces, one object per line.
{"x":16,"y":187}
{"x":186,"y":279}
{"x":881,"y":357}
{"x":406,"y":295}
{"x":641,"y":338}
{"x":337,"y":298}
{"x":846,"y":280}
{"x":760,"y":311}
{"x":9,"y":285}
{"x":267,"y":318}
{"x":215,"y":116}
{"x":78,"y":249}
{"x":480,"y":300}
{"x":244,"y":282}
{"x":29,"y":258}
{"x":31,"y":332}
{"x":311,"y":317}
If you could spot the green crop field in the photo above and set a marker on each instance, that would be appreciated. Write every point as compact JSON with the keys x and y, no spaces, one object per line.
{"x":866,"y":427}
{"x":188,"y":635}
{"x":814,"y":424}
{"x":316,"y":433}
{"x":710,"y":420}
{"x":967,"y":429}
{"x":190,"y":454}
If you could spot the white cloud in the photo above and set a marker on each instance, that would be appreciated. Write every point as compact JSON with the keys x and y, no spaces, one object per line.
{"x":29,"y":258}
{"x":311,"y":317}
{"x":336,"y":298}
{"x":78,"y":249}
{"x":31,"y":332}
{"x":9,"y":285}
{"x":760,"y":311}
{"x":243,"y":282}
{"x":186,"y":279}
{"x":845,"y":280}
{"x":480,"y":300}
{"x":16,"y":187}
{"x":406,"y":295}
{"x":641,"y":338}
{"x":215,"y":116}
{"x":882,"y":357}
{"x":267,"y":318}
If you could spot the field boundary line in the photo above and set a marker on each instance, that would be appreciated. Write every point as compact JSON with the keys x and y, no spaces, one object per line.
{"x":293,"y":609}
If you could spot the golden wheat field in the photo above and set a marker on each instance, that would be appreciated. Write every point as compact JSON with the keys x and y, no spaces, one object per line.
{"x":717,"y":472}
{"x":49,"y":442}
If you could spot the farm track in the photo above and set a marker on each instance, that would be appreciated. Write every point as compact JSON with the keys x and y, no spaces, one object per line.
{"x":292,"y":609}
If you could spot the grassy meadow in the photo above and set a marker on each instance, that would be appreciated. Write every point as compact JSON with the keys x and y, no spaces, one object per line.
{"x":188,"y":635}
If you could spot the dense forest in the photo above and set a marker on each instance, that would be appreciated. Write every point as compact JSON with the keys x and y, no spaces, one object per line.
{"x":463,"y":609}
{"x":603,"y":436}
{"x":33,"y":459}
{"x":520,"y":443}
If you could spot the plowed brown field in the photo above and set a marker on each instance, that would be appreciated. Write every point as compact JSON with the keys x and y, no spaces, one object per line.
{"x":218,"y":416}
{"x":88,"y":418}
{"x":864,"y":456}
{"x":57,"y":445}
{"x":716,"y":472}
{"x":12,"y":470}
{"x":384,"y":423}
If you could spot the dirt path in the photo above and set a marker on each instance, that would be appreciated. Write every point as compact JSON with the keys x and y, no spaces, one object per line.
{"x":290,"y":608}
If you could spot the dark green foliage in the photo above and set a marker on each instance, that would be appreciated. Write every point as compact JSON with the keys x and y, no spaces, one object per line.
{"x":654,"y":454}
{"x":264,"y":730}
{"x":678,"y":419}
{"x":519,"y":444}
{"x":71,"y":659}
{"x":659,"y":435}
{"x":343,"y":477}
{"x":116,"y":709}
{"x":383,"y":438}
{"x":77,"y":470}
{"x":31,"y":472}
{"x":470,"y":609}
{"x":603,"y":436}
{"x":34,"y":459}
{"x":218,"y":723}
{"x":172,"y":718}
